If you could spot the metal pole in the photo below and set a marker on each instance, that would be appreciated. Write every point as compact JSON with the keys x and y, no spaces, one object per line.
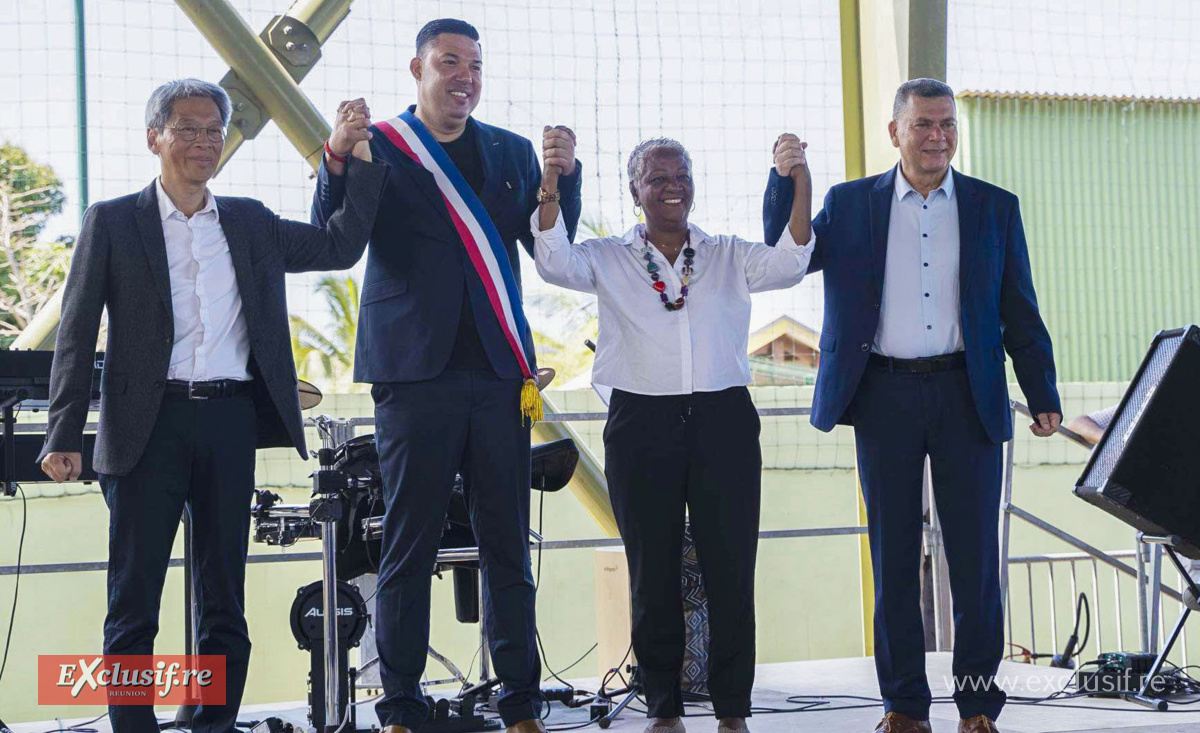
{"x":940,"y":581}
{"x":191,"y":622}
{"x":1143,"y":550}
{"x":1154,"y":602}
{"x":588,"y":484}
{"x":81,"y":105}
{"x":264,"y":74}
{"x":321,"y":17}
{"x":1006,"y":527}
{"x":852,"y":89}
{"x":333,"y":713}
{"x":329,"y":543}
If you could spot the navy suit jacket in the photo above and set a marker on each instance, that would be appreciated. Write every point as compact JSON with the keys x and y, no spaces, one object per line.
{"x":412,"y":295}
{"x":999,"y":306}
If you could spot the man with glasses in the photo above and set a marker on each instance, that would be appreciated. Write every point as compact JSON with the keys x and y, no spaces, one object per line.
{"x":928,"y":292}
{"x":198,"y":372}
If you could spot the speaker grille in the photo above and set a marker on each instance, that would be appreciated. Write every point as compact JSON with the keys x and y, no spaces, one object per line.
{"x":1126,"y":417}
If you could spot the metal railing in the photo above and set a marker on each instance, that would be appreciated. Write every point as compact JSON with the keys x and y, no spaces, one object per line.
{"x":1145,"y":574}
{"x":1123,"y":587}
{"x":344,"y":429}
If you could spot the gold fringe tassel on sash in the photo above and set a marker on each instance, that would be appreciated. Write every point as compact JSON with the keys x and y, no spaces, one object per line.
{"x":531,"y":402}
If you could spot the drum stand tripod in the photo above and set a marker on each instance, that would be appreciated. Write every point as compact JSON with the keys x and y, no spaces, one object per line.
{"x":1145,"y":696}
{"x":328,"y":505}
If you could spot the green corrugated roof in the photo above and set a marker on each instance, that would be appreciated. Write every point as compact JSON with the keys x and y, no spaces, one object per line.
{"x":1110,"y":196}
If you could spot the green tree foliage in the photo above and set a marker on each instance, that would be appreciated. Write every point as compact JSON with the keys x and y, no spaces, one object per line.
{"x":31,"y":270}
{"x":327,"y":355}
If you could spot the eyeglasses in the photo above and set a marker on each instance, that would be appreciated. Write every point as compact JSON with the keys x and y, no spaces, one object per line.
{"x":190,"y":133}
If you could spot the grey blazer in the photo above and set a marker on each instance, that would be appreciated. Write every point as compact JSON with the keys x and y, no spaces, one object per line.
{"x":120,"y":262}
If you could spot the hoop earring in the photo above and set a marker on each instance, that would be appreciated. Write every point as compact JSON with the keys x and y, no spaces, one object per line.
{"x":693,"y":205}
{"x":637,"y":210}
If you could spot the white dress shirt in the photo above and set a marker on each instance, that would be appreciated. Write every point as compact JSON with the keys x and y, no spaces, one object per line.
{"x":919,"y":315}
{"x":211,"y":341}
{"x":644,"y":348}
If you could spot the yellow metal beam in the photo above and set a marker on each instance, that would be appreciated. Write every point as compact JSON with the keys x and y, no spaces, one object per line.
{"x":852,"y":90}
{"x":292,"y":111}
{"x":321,"y":16}
{"x":588,"y":484}
{"x":856,"y":167}
{"x":43,"y":329}
{"x":898,"y":40}
{"x":295,"y":38}
{"x":884,"y":42}
{"x":264,"y":75}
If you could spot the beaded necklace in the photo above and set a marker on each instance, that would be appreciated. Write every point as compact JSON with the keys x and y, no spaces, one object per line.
{"x":656,"y":282}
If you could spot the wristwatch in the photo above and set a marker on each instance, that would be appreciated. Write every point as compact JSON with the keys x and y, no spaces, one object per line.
{"x":545,"y":197}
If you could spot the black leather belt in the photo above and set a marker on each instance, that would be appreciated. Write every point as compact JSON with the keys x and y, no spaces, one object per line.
{"x":946,"y":363}
{"x":211,"y":390}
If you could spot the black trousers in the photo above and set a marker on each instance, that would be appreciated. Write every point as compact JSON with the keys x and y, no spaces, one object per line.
{"x":699,"y":453}
{"x":200,"y":457}
{"x":426,"y":432}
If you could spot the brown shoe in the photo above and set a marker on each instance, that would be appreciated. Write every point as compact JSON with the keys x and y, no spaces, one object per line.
{"x":527,"y":726}
{"x":978,"y":724}
{"x":396,"y":729}
{"x":897,"y":723}
{"x":665,"y":725}
{"x":732,"y":725}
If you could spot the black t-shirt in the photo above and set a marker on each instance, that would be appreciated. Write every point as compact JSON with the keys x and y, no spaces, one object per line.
{"x":468,"y":352}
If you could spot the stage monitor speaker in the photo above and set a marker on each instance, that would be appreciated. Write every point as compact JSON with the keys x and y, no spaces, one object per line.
{"x":1146,"y":469}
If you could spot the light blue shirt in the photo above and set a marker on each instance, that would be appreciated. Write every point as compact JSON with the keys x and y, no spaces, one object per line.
{"x":919,"y":315}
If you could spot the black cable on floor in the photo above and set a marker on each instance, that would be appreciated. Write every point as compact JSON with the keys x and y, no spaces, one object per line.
{"x":12,"y":616}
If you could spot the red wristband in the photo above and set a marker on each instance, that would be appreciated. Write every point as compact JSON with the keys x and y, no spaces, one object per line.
{"x":333,"y":155}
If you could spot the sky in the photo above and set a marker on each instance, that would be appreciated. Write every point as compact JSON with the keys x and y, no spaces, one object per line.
{"x":725,"y":78}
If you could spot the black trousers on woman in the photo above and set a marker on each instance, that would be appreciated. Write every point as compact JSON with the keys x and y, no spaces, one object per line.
{"x":699,"y":452}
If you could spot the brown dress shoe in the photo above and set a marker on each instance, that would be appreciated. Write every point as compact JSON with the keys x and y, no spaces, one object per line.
{"x":897,"y":723}
{"x":978,"y":724}
{"x":527,"y":726}
{"x":396,"y":729}
{"x":665,"y":725}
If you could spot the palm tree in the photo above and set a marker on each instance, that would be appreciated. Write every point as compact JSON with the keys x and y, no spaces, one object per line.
{"x":333,"y":350}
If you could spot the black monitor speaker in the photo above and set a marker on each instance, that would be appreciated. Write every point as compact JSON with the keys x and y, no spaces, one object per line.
{"x":1145,"y":471}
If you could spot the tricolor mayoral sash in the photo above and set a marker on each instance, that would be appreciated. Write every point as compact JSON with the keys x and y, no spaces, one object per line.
{"x":479,"y":235}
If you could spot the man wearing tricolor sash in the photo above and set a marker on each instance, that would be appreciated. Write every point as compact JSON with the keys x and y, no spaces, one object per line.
{"x":444,"y":342}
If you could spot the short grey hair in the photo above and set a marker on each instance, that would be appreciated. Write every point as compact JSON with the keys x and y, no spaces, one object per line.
{"x":925,"y":88}
{"x":637,"y":159}
{"x":162,"y":101}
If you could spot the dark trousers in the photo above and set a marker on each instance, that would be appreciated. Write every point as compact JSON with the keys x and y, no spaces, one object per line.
{"x":200,"y":456}
{"x":700,"y":453}
{"x":899,"y":419}
{"x":425,"y":433}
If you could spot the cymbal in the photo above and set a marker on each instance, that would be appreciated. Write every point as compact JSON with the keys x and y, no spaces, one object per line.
{"x":310,"y":396}
{"x":545,"y":376}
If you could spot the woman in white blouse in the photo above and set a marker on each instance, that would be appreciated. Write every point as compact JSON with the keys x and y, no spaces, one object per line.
{"x":682,"y":432}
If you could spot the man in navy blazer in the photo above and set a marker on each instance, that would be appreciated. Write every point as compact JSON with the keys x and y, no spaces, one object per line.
{"x":444,"y":377}
{"x":927,"y":285}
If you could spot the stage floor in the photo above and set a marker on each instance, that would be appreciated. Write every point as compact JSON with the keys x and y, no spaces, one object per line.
{"x":775,"y":683}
